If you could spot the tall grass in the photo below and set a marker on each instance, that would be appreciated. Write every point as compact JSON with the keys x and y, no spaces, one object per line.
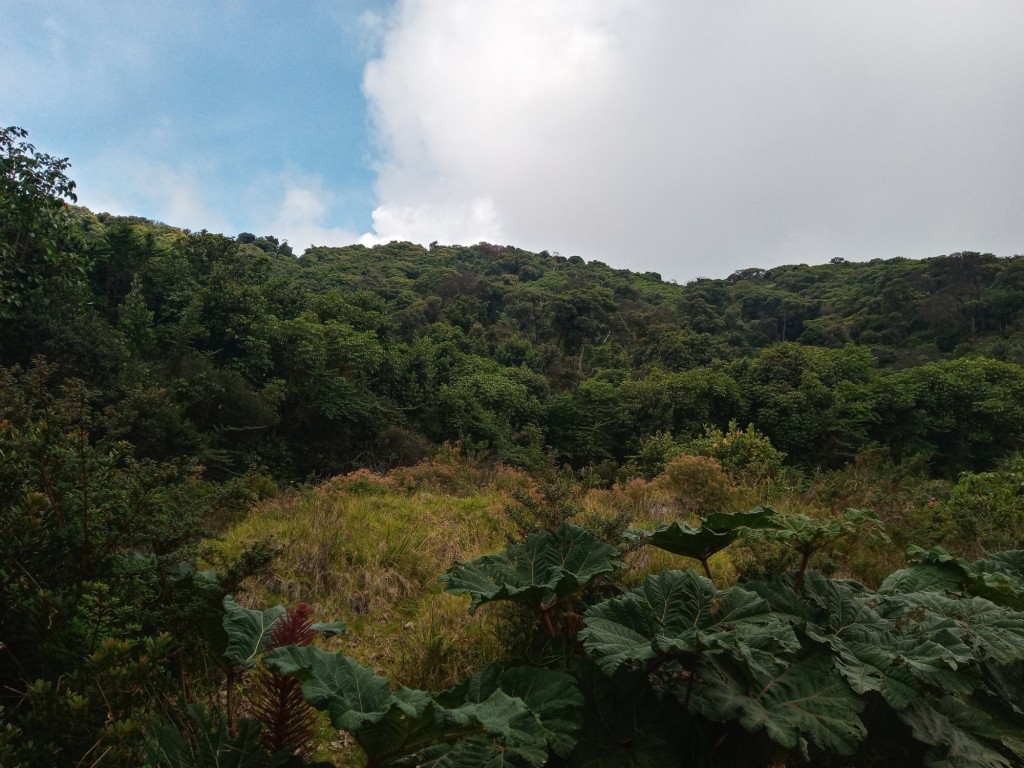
{"x":372,"y":559}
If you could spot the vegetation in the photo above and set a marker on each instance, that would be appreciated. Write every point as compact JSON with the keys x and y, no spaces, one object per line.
{"x":195,"y":426}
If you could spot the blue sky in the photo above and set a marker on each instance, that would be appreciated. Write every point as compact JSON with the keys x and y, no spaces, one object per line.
{"x":687,"y":137}
{"x":200,"y":110}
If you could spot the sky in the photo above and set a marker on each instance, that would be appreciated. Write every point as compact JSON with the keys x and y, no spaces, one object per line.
{"x":687,"y":137}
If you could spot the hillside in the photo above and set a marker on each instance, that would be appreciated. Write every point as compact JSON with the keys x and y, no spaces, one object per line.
{"x":194,"y":427}
{"x":237,"y":353}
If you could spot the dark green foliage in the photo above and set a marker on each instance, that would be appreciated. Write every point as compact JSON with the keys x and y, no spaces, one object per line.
{"x":97,"y":566}
{"x":542,"y":571}
{"x":240,"y":355}
{"x":811,"y":663}
{"x":37,"y":255}
{"x":807,"y":536}
{"x":715,"y":532}
{"x":479,"y":724}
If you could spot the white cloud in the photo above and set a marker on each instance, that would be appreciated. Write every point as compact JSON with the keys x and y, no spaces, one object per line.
{"x":140,"y":186}
{"x":301,"y":212}
{"x":470,"y":222}
{"x":698,"y":138}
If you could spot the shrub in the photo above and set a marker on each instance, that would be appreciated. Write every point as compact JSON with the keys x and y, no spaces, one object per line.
{"x":744,"y":453}
{"x":696,"y":484}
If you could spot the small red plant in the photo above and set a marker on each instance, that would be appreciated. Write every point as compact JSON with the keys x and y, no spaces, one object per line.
{"x":277,"y":701}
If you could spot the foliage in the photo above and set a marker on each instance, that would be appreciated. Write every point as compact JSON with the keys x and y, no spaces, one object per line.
{"x":543,"y":572}
{"x":806,"y":536}
{"x":654,"y":451}
{"x":34,"y":226}
{"x":745,"y":453}
{"x":715,"y":532}
{"x":986,"y":509}
{"x":99,"y":568}
{"x":696,"y":485}
{"x":486,"y":722}
{"x":824,"y":670}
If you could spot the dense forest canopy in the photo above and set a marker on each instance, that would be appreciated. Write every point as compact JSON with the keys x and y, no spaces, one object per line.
{"x":233,"y":351}
{"x":155,"y":381}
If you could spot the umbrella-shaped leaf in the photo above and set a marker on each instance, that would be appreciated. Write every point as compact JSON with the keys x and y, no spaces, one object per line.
{"x":546,"y":568}
{"x":551,"y":695}
{"x":348,"y":691}
{"x":677,"y":613}
{"x":898,"y":670}
{"x":714,"y":534}
{"x":806,"y":699}
{"x":993,"y":632}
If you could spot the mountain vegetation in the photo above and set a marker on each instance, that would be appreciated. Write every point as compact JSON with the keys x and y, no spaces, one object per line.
{"x":679,"y":512}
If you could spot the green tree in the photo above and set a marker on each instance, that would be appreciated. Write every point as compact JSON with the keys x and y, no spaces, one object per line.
{"x":34,"y":228}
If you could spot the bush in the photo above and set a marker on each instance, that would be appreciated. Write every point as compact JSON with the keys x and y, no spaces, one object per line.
{"x":696,"y":485}
{"x":744,"y":453}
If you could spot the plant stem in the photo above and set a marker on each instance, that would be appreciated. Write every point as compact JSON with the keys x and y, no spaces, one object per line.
{"x":232,"y":725}
{"x":546,"y":613}
{"x":798,"y":587}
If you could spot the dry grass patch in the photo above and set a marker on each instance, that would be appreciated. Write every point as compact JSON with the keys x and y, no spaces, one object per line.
{"x":372,"y":559}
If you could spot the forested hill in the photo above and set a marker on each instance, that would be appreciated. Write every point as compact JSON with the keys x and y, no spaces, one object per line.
{"x":234,"y":351}
{"x":164,"y":395}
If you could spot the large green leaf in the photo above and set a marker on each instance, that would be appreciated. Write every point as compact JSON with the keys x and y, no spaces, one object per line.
{"x":999,"y":578}
{"x":394,"y":728}
{"x":925,"y":577}
{"x":715,"y":533}
{"x":898,"y":659}
{"x":244,"y":633}
{"x":546,"y":568}
{"x":248,"y":631}
{"x":678,"y":613}
{"x":934,"y":570}
{"x":551,"y":695}
{"x":899,"y":670}
{"x":993,"y":632}
{"x":961,"y":735}
{"x":349,"y":692}
{"x":805,"y":700}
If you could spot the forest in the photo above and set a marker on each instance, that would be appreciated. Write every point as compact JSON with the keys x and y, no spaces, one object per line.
{"x":775,"y":519}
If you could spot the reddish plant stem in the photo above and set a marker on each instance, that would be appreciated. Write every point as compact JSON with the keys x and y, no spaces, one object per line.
{"x":798,"y":587}
{"x":546,"y":613}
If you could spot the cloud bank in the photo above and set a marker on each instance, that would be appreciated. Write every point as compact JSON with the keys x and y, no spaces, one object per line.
{"x":696,"y":138}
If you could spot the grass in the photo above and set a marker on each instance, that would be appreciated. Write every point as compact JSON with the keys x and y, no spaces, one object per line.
{"x":368,"y":549}
{"x":373,"y":561}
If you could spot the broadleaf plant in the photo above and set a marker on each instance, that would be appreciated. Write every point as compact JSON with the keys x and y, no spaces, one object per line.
{"x":248,"y":631}
{"x":780,"y":670}
{"x":715,"y":532}
{"x":479,"y":724}
{"x":544,"y":570}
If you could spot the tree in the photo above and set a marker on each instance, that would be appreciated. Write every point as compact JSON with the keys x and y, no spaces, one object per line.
{"x":33,"y":222}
